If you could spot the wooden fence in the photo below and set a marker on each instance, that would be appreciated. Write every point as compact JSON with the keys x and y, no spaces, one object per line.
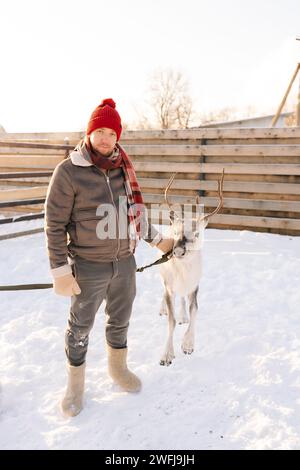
{"x":262,"y":171}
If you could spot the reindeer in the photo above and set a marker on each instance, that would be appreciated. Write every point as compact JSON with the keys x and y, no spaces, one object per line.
{"x":182,"y":273}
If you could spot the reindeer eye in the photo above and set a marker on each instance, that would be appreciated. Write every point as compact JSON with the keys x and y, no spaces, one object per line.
{"x":197,"y":234}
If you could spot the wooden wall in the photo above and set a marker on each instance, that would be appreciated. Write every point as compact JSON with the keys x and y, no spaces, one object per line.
{"x":262,"y":171}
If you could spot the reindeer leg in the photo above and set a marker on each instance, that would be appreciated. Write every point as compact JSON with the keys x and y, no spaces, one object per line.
{"x":163,"y":307}
{"x":168,"y":355}
{"x":189,"y":336}
{"x":182,"y":318}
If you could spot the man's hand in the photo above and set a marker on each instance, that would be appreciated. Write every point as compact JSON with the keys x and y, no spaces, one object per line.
{"x":66,"y":285}
{"x":165,"y":245}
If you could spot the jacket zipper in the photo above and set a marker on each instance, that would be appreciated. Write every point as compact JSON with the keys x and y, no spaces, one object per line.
{"x":117,"y":216}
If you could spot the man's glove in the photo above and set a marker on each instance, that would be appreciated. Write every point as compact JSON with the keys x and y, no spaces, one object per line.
{"x":66,"y":285}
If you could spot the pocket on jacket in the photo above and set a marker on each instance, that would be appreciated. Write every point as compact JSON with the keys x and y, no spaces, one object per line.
{"x":87,"y":233}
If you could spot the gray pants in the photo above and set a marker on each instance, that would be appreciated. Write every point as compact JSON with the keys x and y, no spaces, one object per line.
{"x":113,"y":281}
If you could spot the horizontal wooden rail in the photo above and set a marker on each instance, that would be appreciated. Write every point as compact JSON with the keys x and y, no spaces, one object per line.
{"x":240,"y":220}
{"x":35,"y":145}
{"x":10,"y":220}
{"x":21,"y":234}
{"x":236,"y":203}
{"x":49,"y":162}
{"x":234,"y":168}
{"x":23,"y":202}
{"x":214,"y":150}
{"x":182,"y":134}
{"x":28,"y":193}
{"x":163,"y":150}
{"x":232,"y":186}
{"x":27,"y":174}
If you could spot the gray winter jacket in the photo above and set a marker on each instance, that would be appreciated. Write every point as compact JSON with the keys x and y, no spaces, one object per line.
{"x":75,"y":193}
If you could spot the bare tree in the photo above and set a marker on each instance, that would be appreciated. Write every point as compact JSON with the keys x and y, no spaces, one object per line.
{"x":142,"y":122}
{"x":290,"y":121}
{"x":221,"y":115}
{"x":170,"y":99}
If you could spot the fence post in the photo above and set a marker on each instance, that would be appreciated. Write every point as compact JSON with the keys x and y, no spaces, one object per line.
{"x":298,"y":106}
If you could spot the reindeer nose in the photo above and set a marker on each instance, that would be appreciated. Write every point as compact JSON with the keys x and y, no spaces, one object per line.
{"x":179,"y":251}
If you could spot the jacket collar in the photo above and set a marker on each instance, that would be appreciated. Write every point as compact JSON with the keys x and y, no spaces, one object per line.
{"x":80,"y":156}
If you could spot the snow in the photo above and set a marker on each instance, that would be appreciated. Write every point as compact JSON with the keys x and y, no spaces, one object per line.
{"x":240,"y":389}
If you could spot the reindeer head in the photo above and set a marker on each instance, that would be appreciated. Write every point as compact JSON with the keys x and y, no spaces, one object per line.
{"x":186,"y":230}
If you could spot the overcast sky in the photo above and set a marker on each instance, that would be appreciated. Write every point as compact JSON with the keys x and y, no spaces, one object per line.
{"x":59,"y":58}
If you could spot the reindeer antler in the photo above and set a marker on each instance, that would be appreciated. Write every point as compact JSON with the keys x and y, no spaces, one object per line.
{"x":220,"y":193}
{"x":167,"y":189}
{"x":173,"y":214}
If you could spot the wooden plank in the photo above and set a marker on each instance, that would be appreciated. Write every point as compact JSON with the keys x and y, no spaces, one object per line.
{"x":8,"y":169}
{"x":213,"y":150}
{"x":43,"y":136}
{"x":16,"y":194}
{"x":174,"y":199}
{"x":49,"y":162}
{"x":249,"y":195}
{"x":17,"y":210}
{"x":252,"y":221}
{"x":189,"y":158}
{"x":185,"y":134}
{"x":260,"y":141}
{"x":239,"y":159}
{"x":234,"y":168}
{"x":240,"y":220}
{"x":213,"y":133}
{"x":26,"y":174}
{"x":251,"y":169}
{"x":21,"y":234}
{"x":237,"y":203}
{"x":15,"y":151}
{"x":164,"y":150}
{"x":23,"y":183}
{"x":36,"y":145}
{"x":274,"y":188}
{"x":255,"y":178}
{"x":254,"y":204}
{"x":169,"y":167}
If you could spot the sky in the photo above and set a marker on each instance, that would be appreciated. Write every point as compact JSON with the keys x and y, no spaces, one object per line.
{"x":60,"y":58}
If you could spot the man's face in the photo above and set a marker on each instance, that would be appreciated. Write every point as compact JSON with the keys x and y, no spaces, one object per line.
{"x":103,"y":140}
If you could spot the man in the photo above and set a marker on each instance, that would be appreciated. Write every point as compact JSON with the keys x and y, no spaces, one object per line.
{"x":97,"y":264}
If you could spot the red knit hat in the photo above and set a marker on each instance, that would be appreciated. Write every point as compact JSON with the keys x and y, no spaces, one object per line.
{"x":105,"y":115}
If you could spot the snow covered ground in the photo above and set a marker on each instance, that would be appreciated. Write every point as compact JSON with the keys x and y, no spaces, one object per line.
{"x":240,"y":389}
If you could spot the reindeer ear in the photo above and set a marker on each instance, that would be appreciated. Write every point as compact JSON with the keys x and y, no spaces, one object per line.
{"x":172,"y":216}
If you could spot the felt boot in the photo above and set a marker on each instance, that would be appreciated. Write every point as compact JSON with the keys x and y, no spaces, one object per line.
{"x":117,"y":368}
{"x":71,"y":404}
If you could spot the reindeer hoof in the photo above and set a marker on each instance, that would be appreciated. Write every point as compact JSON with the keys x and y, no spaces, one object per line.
{"x":167,"y":360}
{"x":165,"y":363}
{"x":187,"y":350}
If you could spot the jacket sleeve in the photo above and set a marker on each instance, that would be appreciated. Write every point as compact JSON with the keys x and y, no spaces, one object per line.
{"x":58,"y":207}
